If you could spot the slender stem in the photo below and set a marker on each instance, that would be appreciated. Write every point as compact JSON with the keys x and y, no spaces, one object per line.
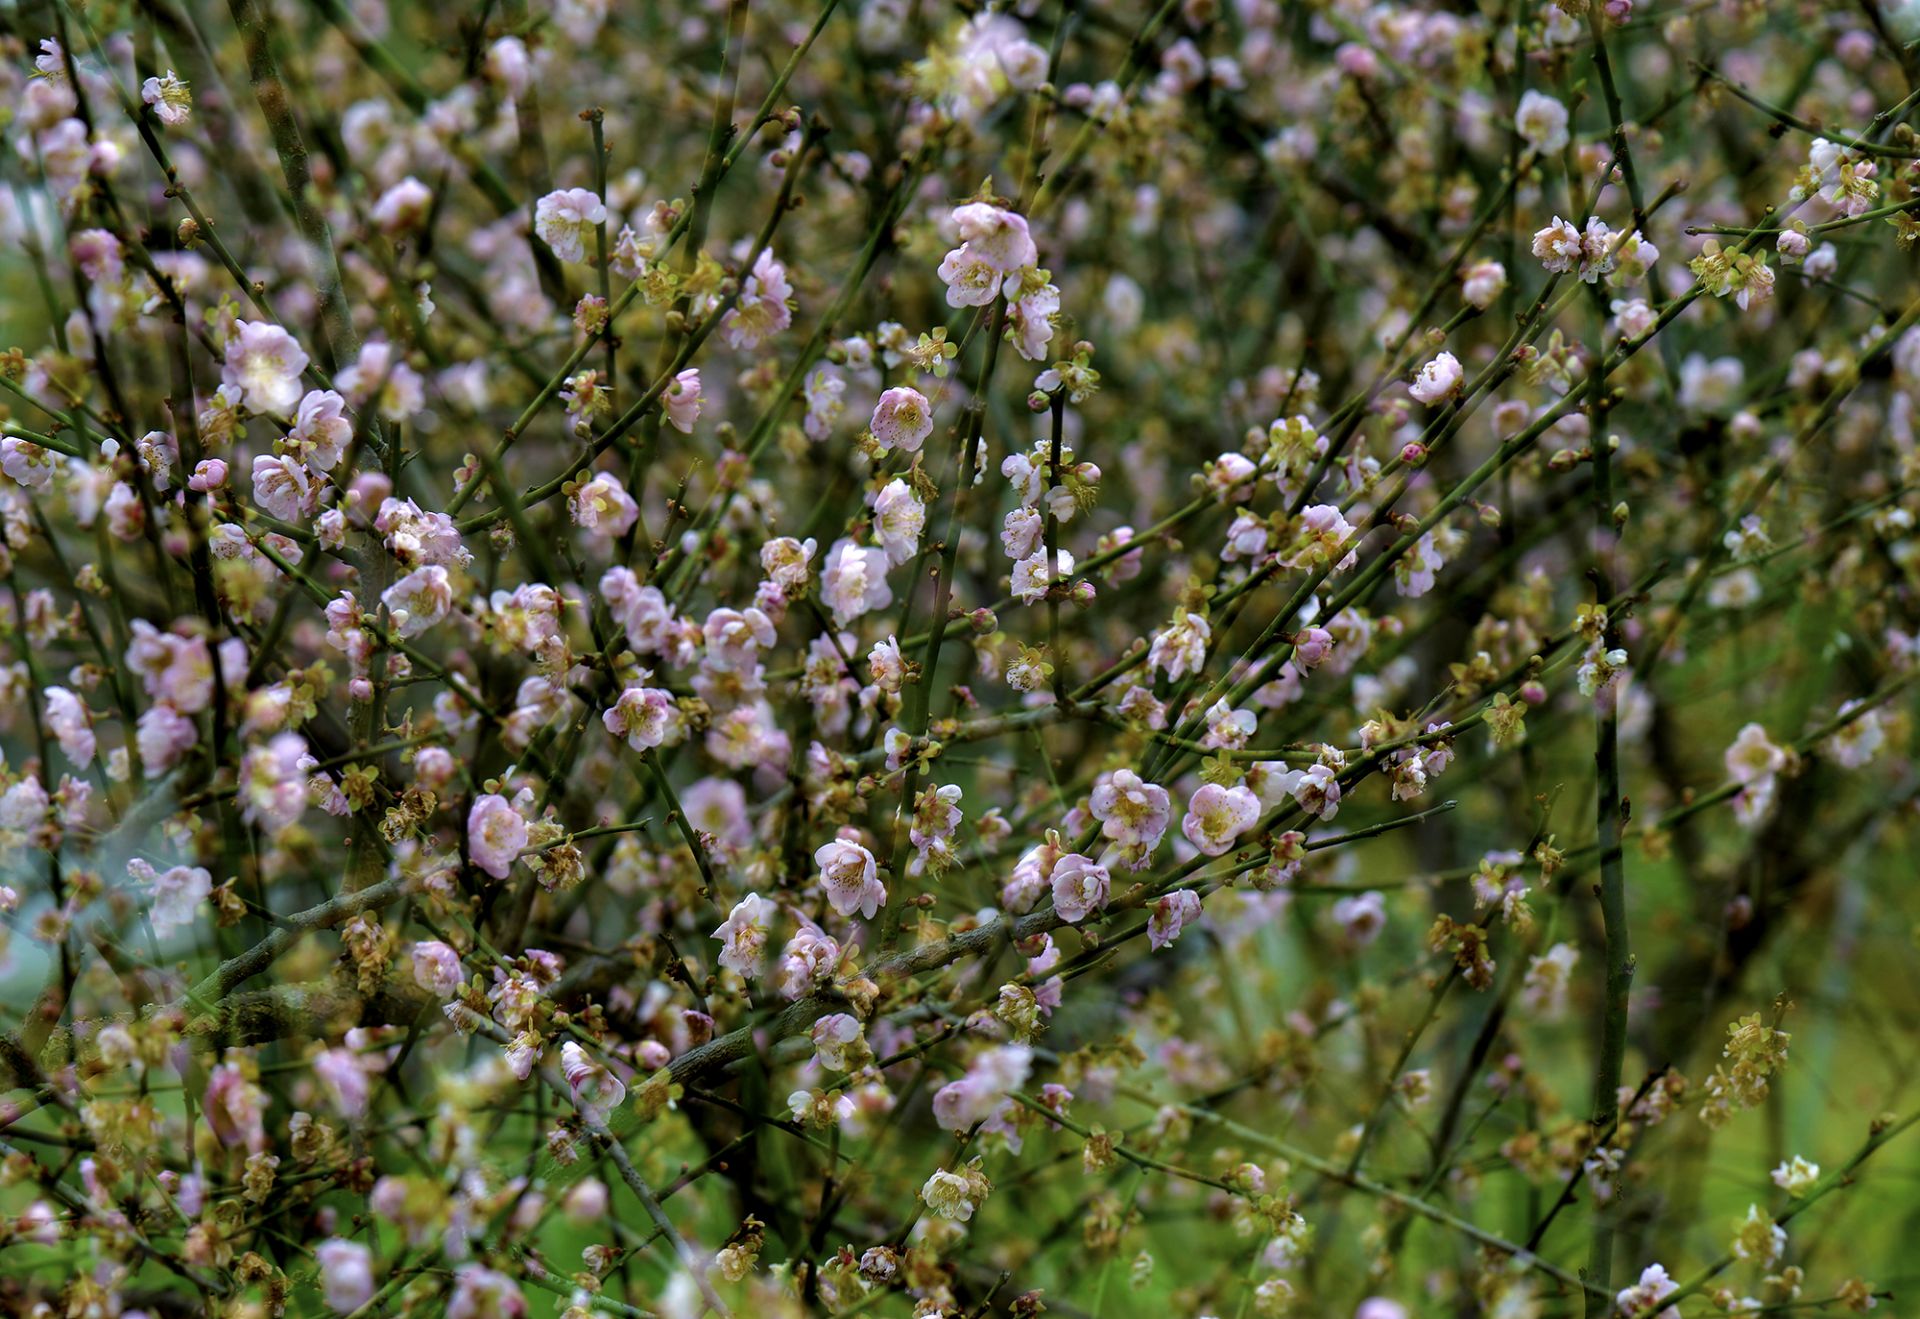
{"x":1618,"y":953}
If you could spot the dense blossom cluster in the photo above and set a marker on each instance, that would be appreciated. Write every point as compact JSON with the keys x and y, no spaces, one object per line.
{"x":1200,"y":657}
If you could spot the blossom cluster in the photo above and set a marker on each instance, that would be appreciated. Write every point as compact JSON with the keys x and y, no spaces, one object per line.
{"x":882,"y":658}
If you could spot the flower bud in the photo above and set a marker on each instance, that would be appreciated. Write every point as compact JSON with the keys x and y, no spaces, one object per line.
{"x":596,"y":1091}
{"x":586,"y":1203}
